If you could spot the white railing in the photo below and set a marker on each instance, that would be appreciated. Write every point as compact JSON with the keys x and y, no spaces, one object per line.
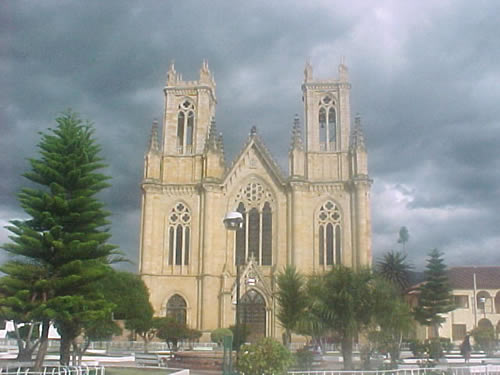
{"x":469,"y":370}
{"x":59,"y":370}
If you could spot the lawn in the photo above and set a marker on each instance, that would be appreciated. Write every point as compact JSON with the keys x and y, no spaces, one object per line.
{"x":137,"y":371}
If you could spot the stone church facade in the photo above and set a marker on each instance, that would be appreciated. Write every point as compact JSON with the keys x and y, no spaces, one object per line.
{"x":315,"y":217}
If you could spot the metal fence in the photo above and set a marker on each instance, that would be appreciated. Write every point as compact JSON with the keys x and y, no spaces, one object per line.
{"x":59,"y":370}
{"x":469,"y":370}
{"x":117,"y":346}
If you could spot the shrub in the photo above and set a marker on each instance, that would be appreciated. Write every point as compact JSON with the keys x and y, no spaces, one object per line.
{"x":484,"y":338}
{"x":266,"y":357}
{"x":217,"y":335}
{"x":304,"y":359}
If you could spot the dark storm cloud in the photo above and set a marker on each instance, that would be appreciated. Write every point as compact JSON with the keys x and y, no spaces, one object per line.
{"x":425,"y":79}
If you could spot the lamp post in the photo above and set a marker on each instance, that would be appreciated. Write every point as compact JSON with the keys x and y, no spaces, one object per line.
{"x":233,"y":222}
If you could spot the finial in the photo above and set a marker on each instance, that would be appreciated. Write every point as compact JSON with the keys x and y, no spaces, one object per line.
{"x":205,"y":75}
{"x":253,"y":131}
{"x":171,"y":74}
{"x":343,"y":71}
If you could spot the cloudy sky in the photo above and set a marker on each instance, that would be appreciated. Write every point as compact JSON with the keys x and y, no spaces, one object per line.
{"x":425,"y":78}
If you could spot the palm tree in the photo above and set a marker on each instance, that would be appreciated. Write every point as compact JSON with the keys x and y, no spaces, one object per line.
{"x":394,"y":268}
{"x":292,"y":300}
{"x":343,"y":299}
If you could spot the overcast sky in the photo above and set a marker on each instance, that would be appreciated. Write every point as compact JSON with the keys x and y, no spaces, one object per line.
{"x":425,"y":78}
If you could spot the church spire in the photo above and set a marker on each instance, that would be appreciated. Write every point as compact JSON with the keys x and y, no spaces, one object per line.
{"x":296,"y":134}
{"x":357,"y":137}
{"x":154,"y":144}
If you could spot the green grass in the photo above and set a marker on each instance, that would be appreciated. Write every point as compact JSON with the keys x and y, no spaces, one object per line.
{"x":136,"y":371}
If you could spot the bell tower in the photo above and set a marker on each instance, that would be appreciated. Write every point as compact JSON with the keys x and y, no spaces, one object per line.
{"x":327,"y":124}
{"x":189,"y":111}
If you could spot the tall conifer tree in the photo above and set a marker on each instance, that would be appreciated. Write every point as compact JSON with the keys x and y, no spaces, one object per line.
{"x":435,"y":293}
{"x":64,"y":239}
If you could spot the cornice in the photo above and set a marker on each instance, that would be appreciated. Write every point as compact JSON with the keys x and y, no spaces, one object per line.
{"x":322,"y":187}
{"x":191,"y":90}
{"x":170,"y":189}
{"x":326,"y":85}
{"x":360,"y":180}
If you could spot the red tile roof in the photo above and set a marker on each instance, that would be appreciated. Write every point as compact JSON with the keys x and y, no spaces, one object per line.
{"x":463,"y":277}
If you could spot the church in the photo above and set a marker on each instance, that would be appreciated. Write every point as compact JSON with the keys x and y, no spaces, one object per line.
{"x":315,"y":217}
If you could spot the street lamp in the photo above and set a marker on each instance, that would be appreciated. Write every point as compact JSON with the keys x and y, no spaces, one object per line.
{"x":233,"y":222}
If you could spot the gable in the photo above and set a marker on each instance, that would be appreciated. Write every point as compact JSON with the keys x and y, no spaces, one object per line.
{"x":254,"y":161}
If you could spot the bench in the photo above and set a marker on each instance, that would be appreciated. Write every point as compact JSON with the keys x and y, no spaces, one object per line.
{"x":202,"y":348}
{"x":147,"y":359}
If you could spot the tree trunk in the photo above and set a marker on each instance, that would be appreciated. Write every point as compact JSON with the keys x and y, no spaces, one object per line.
{"x":44,"y":342}
{"x":287,"y":338}
{"x":65,"y":350}
{"x":25,"y":354}
{"x":347,"y":351}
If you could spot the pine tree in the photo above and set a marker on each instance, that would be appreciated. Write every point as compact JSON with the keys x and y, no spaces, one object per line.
{"x":435,"y":293}
{"x":65,"y":237}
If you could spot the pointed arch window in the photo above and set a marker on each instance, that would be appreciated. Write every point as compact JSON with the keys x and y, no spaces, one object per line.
{"x":327,"y":124}
{"x":177,"y":308}
{"x":179,"y":233}
{"x":255,"y":238}
{"x":329,"y":234}
{"x":185,"y":127}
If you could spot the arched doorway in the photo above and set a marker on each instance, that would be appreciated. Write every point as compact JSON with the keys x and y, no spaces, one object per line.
{"x":253,"y":314}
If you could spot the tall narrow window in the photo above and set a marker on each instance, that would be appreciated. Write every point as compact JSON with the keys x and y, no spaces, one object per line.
{"x":189,"y":133}
{"x":255,"y":239}
{"x":322,"y":129}
{"x":322,"y":244}
{"x":179,"y":233}
{"x":176,"y":308}
{"x":338,"y":259}
{"x":329,"y":234}
{"x":180,"y":131}
{"x":327,"y":124}
{"x":185,"y":127}
{"x":267,"y":234}
{"x":329,"y":243}
{"x":332,"y":129}
{"x":241,"y":235}
{"x":254,"y":233}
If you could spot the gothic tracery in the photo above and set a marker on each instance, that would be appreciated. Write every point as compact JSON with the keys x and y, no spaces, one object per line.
{"x":255,"y":238}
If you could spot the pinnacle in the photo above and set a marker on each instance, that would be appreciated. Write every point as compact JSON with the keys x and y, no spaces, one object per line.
{"x":296,"y":134}
{"x":214,"y":140}
{"x":154,"y":144}
{"x":357,"y":138}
